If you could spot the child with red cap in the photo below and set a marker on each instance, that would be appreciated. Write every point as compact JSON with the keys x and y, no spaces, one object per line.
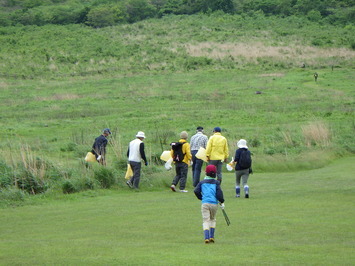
{"x":210,"y":192}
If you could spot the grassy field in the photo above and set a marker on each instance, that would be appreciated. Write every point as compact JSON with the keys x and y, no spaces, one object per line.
{"x":61,"y":85}
{"x":299,"y":218}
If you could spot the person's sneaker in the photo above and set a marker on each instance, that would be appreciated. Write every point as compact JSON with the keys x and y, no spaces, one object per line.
{"x":184,"y":190}
{"x":237,"y":196}
{"x":247,"y":196}
{"x":173,"y":188}
{"x":129,"y":184}
{"x":211,"y":240}
{"x":207,"y":241}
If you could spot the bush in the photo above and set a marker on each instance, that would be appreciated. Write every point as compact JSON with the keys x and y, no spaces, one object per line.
{"x":103,"y":16}
{"x":30,"y":183}
{"x":69,"y":187}
{"x":105,"y":177}
{"x":6,"y":177}
{"x":11,"y":195}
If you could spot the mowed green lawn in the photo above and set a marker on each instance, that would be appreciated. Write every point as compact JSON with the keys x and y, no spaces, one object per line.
{"x":305,"y":217}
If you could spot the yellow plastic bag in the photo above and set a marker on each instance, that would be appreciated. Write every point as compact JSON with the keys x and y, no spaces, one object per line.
{"x":165,"y":156}
{"x":90,"y":157}
{"x":129,"y":172}
{"x":201,"y":154}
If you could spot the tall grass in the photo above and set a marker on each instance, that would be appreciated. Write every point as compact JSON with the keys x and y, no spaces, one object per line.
{"x":317,"y":133}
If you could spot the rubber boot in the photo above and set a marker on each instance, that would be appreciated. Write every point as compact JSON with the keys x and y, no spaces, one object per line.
{"x":212,"y":235}
{"x":207,"y":236}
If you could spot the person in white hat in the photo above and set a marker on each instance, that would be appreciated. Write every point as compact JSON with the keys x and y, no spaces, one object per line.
{"x":135,"y":155}
{"x":243,"y":162}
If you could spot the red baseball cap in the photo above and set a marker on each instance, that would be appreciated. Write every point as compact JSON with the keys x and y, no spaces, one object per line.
{"x":211,"y":170}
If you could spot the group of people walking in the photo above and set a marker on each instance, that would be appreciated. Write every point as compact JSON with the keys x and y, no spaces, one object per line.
{"x":184,"y":154}
{"x":217,"y":153}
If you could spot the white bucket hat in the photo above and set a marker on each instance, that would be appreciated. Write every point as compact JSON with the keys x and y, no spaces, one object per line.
{"x":242,"y":143}
{"x":140,"y":134}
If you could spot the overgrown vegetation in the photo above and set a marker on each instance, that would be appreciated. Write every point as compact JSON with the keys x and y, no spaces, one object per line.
{"x":112,"y":12}
{"x":250,"y":73}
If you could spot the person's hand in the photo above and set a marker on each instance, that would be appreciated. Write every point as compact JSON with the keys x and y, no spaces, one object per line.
{"x":221,"y":205}
{"x":146,"y":163}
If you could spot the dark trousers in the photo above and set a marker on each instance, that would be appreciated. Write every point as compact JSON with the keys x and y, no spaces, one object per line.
{"x":218,"y":164}
{"x":196,"y":168}
{"x":136,"y":168}
{"x":181,"y":174}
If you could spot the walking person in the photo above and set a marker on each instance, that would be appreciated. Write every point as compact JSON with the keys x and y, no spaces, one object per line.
{"x":135,"y":155}
{"x":210,"y":193}
{"x":197,"y":141}
{"x":243,"y":162}
{"x":217,"y":151}
{"x":180,"y":152}
{"x":99,"y":146}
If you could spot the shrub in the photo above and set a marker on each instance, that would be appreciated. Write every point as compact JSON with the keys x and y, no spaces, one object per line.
{"x":69,"y":147}
{"x":69,"y":187}
{"x":138,"y":10}
{"x":6,"y":177}
{"x":103,"y":16}
{"x":12,"y":194}
{"x":105,"y":177}
{"x":30,"y":183}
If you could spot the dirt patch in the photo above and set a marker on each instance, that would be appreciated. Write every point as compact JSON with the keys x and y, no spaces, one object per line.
{"x":59,"y":97}
{"x":272,"y":75}
{"x":258,"y":50}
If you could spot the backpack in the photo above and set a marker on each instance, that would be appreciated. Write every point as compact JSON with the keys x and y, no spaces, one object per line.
{"x":178,"y":155}
{"x":245,"y":159}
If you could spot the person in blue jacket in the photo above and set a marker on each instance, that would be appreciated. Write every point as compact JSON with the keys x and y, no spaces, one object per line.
{"x":210,"y":193}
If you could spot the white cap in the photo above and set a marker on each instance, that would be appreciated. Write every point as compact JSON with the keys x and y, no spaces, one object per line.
{"x":242,"y":143}
{"x":140,"y":134}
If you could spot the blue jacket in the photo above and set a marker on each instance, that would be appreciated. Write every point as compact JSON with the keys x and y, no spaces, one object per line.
{"x":209,"y":191}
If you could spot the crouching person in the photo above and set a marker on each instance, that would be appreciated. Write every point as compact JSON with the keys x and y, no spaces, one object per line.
{"x":210,"y":192}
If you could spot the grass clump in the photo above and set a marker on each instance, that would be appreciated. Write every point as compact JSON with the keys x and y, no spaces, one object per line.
{"x":105,"y":176}
{"x":317,"y":133}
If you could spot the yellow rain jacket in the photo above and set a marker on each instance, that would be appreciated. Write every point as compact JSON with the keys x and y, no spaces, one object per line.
{"x":217,"y":147}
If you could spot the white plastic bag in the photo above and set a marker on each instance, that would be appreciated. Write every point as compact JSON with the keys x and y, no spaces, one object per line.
{"x":168,"y":165}
{"x":230,"y":165}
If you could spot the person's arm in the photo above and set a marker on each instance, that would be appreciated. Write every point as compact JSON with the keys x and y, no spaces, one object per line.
{"x":237,"y":155}
{"x":187,"y":151}
{"x":219,"y":194}
{"x":141,"y":150}
{"x":226,"y":151}
{"x":204,"y":142}
{"x":102,"y":146}
{"x":208,"y":148}
{"x":197,"y":191}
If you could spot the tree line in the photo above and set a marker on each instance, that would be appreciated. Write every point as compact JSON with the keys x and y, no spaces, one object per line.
{"x":103,"y":13}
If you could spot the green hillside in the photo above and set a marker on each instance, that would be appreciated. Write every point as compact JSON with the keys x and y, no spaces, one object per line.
{"x":250,"y":74}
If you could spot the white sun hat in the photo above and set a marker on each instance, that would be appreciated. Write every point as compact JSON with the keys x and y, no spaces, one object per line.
{"x":242,"y":143}
{"x":140,"y":134}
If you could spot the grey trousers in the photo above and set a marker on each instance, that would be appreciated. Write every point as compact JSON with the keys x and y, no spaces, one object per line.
{"x":218,"y":164}
{"x":181,"y":174}
{"x":136,"y":168}
{"x":243,"y":175}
